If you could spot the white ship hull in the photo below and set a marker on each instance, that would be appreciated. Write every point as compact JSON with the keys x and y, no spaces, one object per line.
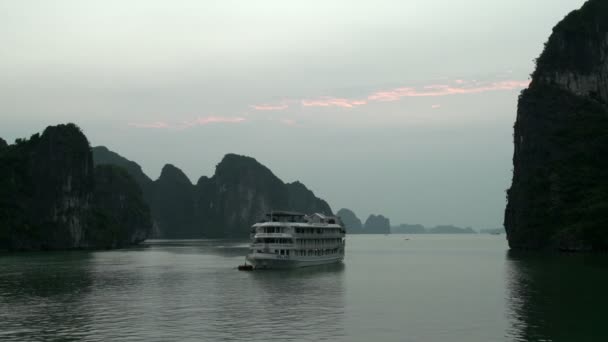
{"x":272,"y":261}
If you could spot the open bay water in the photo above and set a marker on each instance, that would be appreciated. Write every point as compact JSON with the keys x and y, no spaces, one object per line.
{"x":390,"y":288}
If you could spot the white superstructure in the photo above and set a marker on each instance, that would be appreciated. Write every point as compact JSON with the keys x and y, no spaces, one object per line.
{"x":289,"y":239}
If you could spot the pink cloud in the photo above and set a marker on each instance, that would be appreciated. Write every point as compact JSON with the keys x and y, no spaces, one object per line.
{"x":269,"y":107}
{"x":209,"y":120}
{"x":437,"y":90}
{"x":201,"y":121}
{"x":328,"y":101}
{"x":456,"y":87}
{"x":157,"y":124}
{"x":436,"y":106}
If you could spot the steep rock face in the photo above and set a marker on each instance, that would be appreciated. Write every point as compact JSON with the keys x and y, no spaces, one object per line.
{"x":173,"y":203}
{"x":121,"y":217}
{"x":242,"y":190}
{"x":47,"y":192}
{"x":377,"y":224}
{"x":103,"y":156}
{"x":63,"y":179}
{"x":300,"y":196}
{"x":559,"y":195}
{"x":350,"y":220}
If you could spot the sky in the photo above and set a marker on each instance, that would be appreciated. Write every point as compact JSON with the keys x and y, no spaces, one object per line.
{"x":397,"y":107}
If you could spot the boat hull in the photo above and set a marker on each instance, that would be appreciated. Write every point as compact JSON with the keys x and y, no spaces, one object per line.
{"x":271,"y":262}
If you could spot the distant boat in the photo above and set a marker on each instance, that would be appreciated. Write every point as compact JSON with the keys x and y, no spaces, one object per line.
{"x":289,"y":240}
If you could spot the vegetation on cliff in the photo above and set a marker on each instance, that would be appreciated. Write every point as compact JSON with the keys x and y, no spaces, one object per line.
{"x":559,"y":195}
{"x":51,"y":197}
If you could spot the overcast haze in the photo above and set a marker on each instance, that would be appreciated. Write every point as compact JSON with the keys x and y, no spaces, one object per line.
{"x":403,"y":108}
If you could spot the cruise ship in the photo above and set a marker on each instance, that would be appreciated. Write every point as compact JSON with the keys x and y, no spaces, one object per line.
{"x":289,"y":240}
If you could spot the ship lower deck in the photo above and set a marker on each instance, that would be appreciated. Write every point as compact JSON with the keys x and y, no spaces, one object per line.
{"x":271,"y":261}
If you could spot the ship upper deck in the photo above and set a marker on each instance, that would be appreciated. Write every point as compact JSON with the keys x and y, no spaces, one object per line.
{"x":295,"y":219}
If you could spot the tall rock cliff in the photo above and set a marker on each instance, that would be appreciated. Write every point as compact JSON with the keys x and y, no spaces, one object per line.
{"x":559,"y":195}
{"x":239,"y":193}
{"x":48,"y":197}
{"x":242,"y":190}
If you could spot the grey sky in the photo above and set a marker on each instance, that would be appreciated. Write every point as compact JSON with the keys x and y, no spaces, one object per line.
{"x":403,"y":108}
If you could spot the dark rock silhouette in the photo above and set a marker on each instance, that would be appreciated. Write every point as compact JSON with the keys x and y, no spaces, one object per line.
{"x":51,"y":197}
{"x":559,"y":195}
{"x":240,"y":192}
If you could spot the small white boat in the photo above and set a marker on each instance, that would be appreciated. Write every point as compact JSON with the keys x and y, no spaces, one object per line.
{"x":289,"y":240}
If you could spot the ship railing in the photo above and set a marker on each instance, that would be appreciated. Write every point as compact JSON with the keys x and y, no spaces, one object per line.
{"x":317,"y":236}
{"x":263,"y":246}
{"x":273,"y":235}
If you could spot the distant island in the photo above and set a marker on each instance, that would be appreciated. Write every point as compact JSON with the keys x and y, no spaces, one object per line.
{"x":378,"y":224}
{"x":420,"y":229}
{"x":558,"y":199}
{"x":375,"y":224}
{"x":492,"y":231}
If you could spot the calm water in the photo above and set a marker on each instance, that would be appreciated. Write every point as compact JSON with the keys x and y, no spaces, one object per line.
{"x":427,"y":288}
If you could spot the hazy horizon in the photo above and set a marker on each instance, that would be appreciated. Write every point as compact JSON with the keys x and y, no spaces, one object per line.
{"x":403,"y":109}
